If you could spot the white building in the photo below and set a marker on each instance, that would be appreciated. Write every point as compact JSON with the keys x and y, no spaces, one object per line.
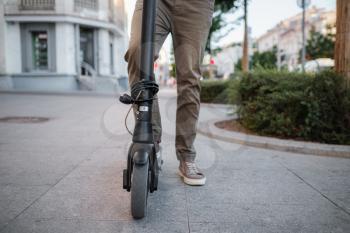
{"x":60,"y":45}
{"x":227,"y":58}
{"x":287,"y":35}
{"x":161,"y":66}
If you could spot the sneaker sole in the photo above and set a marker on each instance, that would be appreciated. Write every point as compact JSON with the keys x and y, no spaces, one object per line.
{"x":192,"y":182}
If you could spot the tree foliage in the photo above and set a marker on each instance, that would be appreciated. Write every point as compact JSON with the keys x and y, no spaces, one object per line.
{"x":320,"y":45}
{"x":221,"y":8}
{"x":225,"y":5}
{"x":266,"y":60}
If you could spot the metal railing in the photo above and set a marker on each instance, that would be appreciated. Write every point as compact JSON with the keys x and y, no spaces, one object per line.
{"x":86,"y":4}
{"x":89,"y":80}
{"x":87,"y":77}
{"x":36,"y":4}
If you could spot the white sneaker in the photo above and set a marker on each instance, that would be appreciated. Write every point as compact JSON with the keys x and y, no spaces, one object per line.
{"x":191,"y":174}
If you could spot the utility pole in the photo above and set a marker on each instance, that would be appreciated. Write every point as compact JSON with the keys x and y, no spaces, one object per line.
{"x":245,"y":58}
{"x":303,"y":4}
{"x":303,"y":28}
{"x":278,"y":52}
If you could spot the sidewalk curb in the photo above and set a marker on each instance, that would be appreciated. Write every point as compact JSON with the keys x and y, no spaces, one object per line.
{"x":209,"y":129}
{"x":59,"y":93}
{"x":73,"y":93}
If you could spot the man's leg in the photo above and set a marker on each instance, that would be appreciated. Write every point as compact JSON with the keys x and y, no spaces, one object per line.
{"x":191,"y":23}
{"x":132,"y":56}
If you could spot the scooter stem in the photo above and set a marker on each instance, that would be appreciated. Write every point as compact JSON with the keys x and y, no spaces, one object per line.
{"x":147,"y":39}
{"x":143,"y":127}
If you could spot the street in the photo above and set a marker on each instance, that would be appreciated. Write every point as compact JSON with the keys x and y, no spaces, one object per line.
{"x":65,"y":175}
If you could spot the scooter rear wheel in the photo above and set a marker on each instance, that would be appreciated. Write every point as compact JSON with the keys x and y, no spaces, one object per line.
{"x":139,"y":190}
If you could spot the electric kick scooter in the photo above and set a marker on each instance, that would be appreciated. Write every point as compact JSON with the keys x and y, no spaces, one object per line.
{"x":143,"y":164}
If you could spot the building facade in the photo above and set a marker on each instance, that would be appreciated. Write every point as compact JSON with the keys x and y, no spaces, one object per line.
{"x":62,"y":45}
{"x":287,"y":35}
{"x":227,"y":58}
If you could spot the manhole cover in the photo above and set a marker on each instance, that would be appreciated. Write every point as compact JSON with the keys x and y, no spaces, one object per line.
{"x":23,"y":119}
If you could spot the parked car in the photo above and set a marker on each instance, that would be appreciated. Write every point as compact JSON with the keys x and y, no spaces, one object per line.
{"x":318,"y":65}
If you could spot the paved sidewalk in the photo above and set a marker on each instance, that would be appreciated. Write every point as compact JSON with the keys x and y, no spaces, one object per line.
{"x":64,"y":176}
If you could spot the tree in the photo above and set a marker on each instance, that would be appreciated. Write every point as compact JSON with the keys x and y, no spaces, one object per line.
{"x":342,"y":44}
{"x":172,"y":71}
{"x":319,"y":45}
{"x":222,"y":7}
{"x":266,"y":60}
{"x":245,"y":58}
{"x":238,"y":65}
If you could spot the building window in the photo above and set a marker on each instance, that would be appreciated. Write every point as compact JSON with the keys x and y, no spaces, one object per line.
{"x":87,"y":46}
{"x":40,"y":50}
{"x":38,"y":46}
{"x":37,"y":4}
{"x":111,"y":57}
{"x":89,"y":4}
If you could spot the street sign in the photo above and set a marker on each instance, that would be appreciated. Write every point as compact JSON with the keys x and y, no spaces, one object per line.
{"x":306,"y":3}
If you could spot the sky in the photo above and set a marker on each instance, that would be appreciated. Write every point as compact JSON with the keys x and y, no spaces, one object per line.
{"x":265,"y":14}
{"x":129,"y":5}
{"x":262,"y":15}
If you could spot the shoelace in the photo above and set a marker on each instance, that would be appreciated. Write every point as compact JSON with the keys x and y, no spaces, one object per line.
{"x":192,"y":168}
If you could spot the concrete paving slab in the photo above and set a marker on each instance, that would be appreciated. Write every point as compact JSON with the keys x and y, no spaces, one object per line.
{"x":93,"y":226}
{"x":65,"y":176}
{"x":14,"y":199}
{"x":261,"y":227}
{"x":222,"y":192}
{"x":37,"y":167}
{"x":294,"y":218}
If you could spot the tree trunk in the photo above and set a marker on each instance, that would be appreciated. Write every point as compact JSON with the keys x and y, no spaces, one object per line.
{"x":245,"y":58}
{"x":342,"y":44}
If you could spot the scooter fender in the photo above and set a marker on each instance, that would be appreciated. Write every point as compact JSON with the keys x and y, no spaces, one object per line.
{"x":140,"y":157}
{"x":141,"y":152}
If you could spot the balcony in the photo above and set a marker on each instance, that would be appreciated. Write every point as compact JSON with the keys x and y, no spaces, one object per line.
{"x":86,"y":4}
{"x":90,"y":8}
{"x":92,"y":13}
{"x":41,"y":5}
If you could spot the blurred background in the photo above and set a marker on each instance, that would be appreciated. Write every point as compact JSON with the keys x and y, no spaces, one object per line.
{"x":63,"y":45}
{"x":72,"y":45}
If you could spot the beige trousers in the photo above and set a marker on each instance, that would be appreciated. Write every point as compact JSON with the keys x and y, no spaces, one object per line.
{"x":188,"y":21}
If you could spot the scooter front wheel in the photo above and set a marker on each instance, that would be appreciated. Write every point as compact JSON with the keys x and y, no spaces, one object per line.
{"x":139,"y":190}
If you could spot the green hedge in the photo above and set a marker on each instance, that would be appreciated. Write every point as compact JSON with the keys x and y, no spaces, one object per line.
{"x":312,"y":107}
{"x":214,"y":91}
